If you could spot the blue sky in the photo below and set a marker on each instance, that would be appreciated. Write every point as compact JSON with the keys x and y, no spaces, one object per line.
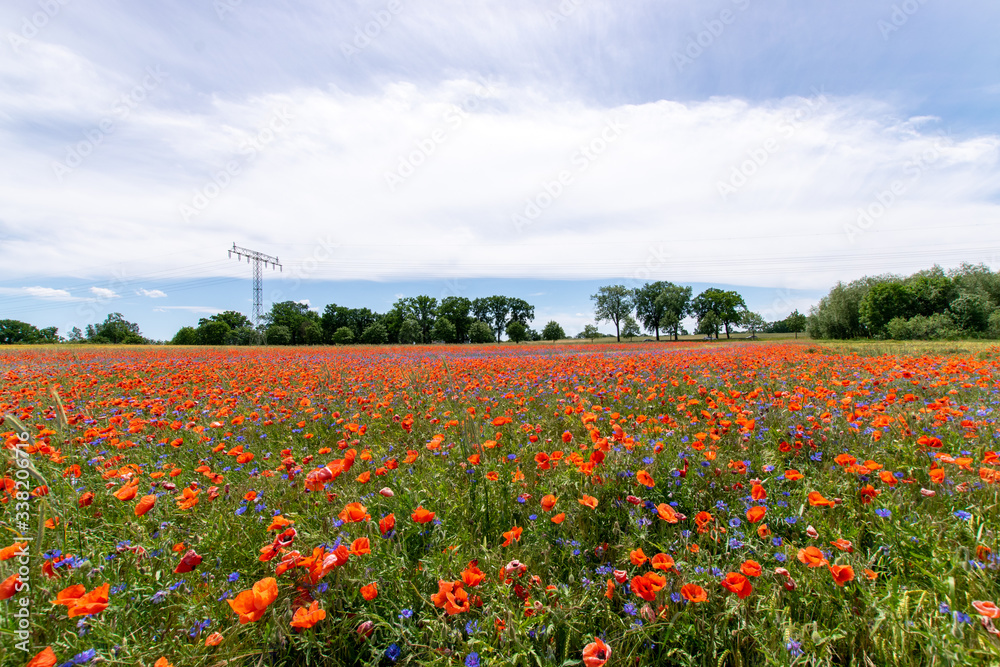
{"x":537,"y":149}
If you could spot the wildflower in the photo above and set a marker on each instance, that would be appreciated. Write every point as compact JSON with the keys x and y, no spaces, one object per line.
{"x":250,"y":604}
{"x":306,"y":618}
{"x":693,"y":593}
{"x":370,"y":591}
{"x":737,"y":583}
{"x":420,"y":515}
{"x":596,"y":653}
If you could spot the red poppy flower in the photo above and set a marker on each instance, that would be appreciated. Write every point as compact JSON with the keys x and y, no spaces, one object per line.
{"x":306,"y":618}
{"x":667,"y":513}
{"x":45,"y":658}
{"x":693,"y":593}
{"x":596,"y":653}
{"x":512,"y":535}
{"x":755,"y":514}
{"x":663,"y":562}
{"x":548,"y":502}
{"x":842,"y":574}
{"x":369,"y":591}
{"x":588,"y":501}
{"x":145,"y":504}
{"x":737,"y":583}
{"x":251,"y":604}
{"x":751,"y":568}
{"x":189,"y":561}
{"x":354,"y":513}
{"x":422,"y":516}
{"x":812,"y":557}
{"x":987,"y":609}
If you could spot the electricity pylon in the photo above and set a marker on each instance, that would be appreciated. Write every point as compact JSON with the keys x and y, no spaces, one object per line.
{"x":257,"y":259}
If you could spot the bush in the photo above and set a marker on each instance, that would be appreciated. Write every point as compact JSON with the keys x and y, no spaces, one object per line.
{"x":278,"y":334}
{"x":186,"y":336}
{"x":971,"y":312}
{"x":444,"y":330}
{"x":375,"y":334}
{"x":343,"y":336}
{"x":993,"y":325}
{"x":899,"y":329}
{"x":480,"y":333}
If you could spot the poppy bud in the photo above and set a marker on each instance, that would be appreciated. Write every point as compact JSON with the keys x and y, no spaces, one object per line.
{"x":225,"y":489}
{"x":789,"y":584}
{"x":634,"y":500}
{"x":386,"y":492}
{"x":838,"y":501}
{"x":621,"y":576}
{"x":812,"y":532}
{"x":928,"y":493}
{"x":647,"y":613}
{"x":717,"y":472}
{"x":365,"y":630}
{"x":782,"y":571}
{"x":169,"y":486}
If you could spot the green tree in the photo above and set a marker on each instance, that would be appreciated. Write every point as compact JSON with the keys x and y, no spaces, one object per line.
{"x":709,"y":324}
{"x":116,"y":330}
{"x":14,"y":331}
{"x":887,"y":301}
{"x":185,"y":336}
{"x":232,"y":319}
{"x":243,"y":336}
{"x":630,"y":328}
{"x":480,"y":332}
{"x":752,"y":322}
{"x":75,"y":335}
{"x":795,"y":322}
{"x":612,"y":303}
{"x":409,"y":332}
{"x":648,"y":309}
{"x":212,"y":332}
{"x":674,"y":301}
{"x":278,"y":334}
{"x":458,"y":310}
{"x":553,"y":331}
{"x":343,"y":336}
{"x":375,"y":334}
{"x":727,"y":306}
{"x":444,"y":330}
{"x":971,"y":312}
{"x":517,"y":331}
{"x":303,"y":324}
{"x":590,"y":331}
{"x":838,"y":314}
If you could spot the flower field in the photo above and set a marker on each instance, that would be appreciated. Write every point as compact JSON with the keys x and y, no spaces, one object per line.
{"x":755,"y":504}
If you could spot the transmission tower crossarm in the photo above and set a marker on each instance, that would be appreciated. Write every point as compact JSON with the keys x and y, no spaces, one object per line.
{"x":256,"y":258}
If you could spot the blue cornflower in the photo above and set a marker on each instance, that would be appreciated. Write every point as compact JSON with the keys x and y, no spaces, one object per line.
{"x":962,"y":617}
{"x":884,"y":513}
{"x":392,"y":652}
{"x":630,"y":609}
{"x":776,"y":541}
{"x":472,"y":660}
{"x":944,"y":608}
{"x":780,"y":557}
{"x":791,"y":520}
{"x":240,"y":510}
{"x":734,"y":522}
{"x":963,"y":515}
{"x":794,"y":648}
{"x":472,"y":627}
{"x":406,"y":613}
{"x":233,"y":577}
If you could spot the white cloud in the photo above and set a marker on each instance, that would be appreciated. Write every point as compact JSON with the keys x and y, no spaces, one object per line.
{"x":152,"y":294}
{"x":797,"y":174}
{"x":38,"y":292}
{"x":104,"y":293}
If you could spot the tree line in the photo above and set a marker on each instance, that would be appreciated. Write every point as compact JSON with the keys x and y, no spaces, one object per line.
{"x":927,"y":305}
{"x":419,"y":319}
{"x":663,"y":306}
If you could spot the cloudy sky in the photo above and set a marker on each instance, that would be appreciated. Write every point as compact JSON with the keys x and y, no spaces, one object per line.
{"x":535,"y":148}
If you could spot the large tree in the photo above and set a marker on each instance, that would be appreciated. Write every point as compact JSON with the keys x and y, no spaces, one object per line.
{"x":15,"y":331}
{"x":303,"y":324}
{"x":115,"y":329}
{"x":457,"y":309}
{"x":647,"y":307}
{"x":553,"y":331}
{"x":727,"y":306}
{"x":499,"y":311}
{"x":674,"y":303}
{"x":613,"y":303}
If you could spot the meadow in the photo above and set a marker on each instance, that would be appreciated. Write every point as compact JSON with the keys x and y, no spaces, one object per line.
{"x":764,"y":503}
